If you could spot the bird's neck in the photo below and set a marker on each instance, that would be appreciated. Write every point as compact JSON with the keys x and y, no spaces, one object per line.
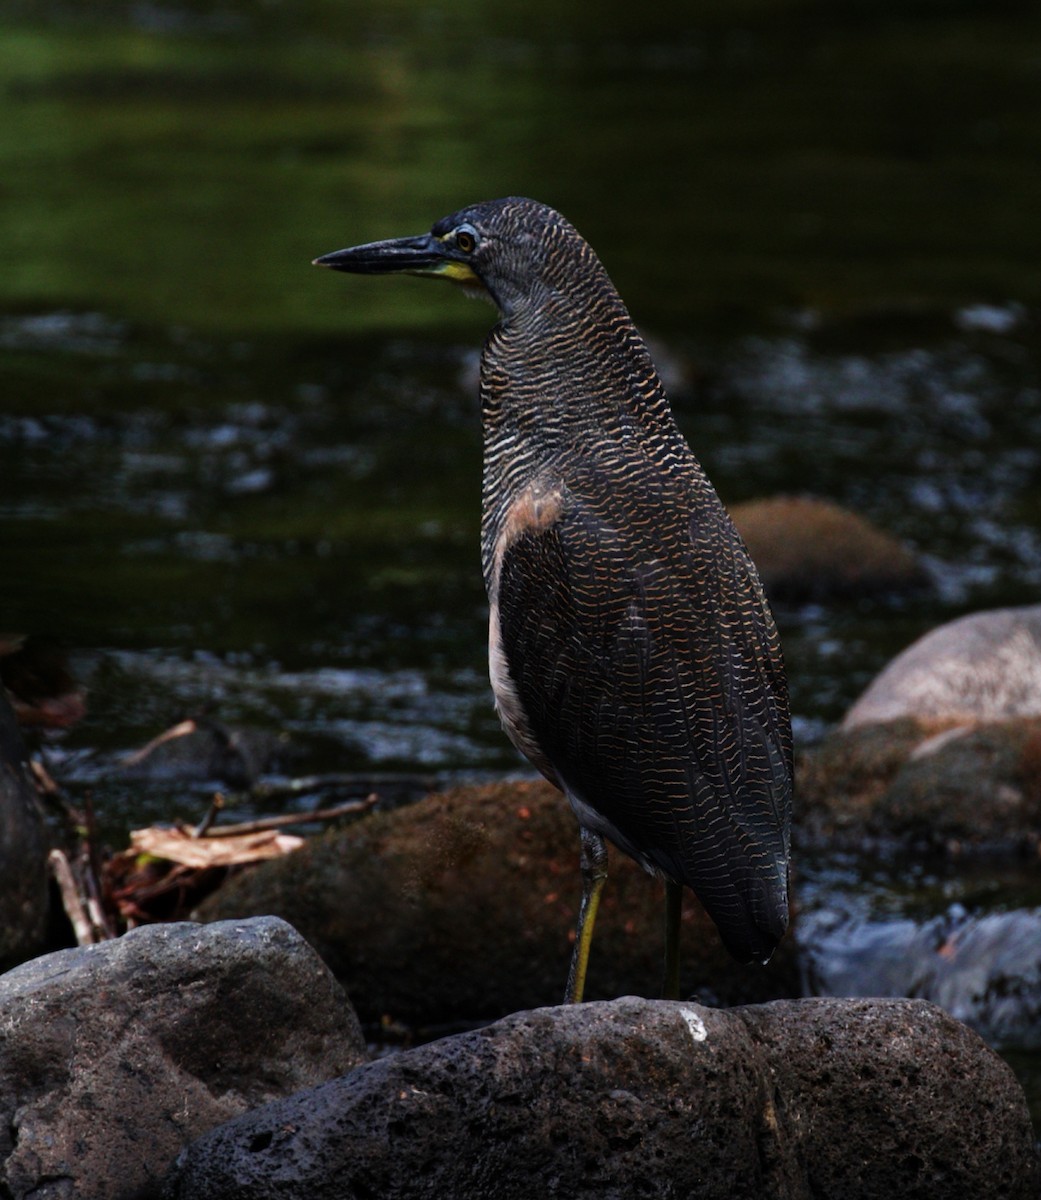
{"x":566,"y":368}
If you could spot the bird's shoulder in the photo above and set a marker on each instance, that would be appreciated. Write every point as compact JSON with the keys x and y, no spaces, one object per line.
{"x":622,"y":526}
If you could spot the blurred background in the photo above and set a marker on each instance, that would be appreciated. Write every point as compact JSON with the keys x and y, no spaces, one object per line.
{"x":232,"y":484}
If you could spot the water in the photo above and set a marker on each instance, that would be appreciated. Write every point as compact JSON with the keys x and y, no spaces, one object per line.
{"x":232,"y":484}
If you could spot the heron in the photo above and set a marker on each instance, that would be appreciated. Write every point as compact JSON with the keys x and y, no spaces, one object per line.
{"x":633,"y":657}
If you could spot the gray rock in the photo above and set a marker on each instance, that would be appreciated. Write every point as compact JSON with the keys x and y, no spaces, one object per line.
{"x":113,"y":1057}
{"x":23,"y":849}
{"x":794,"y":1099}
{"x":983,"y":667}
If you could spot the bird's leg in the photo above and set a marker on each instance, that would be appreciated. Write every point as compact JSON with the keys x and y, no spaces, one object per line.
{"x":593,"y":862}
{"x":673,"y":910}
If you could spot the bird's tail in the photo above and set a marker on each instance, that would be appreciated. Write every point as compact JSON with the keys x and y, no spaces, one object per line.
{"x":753,"y":916}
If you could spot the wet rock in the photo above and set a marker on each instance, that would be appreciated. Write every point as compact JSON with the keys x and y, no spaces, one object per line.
{"x":983,"y":970}
{"x":23,"y":849}
{"x":858,"y":1099}
{"x":113,"y":1057}
{"x":35,"y":673}
{"x":460,"y":908}
{"x":925,"y":782}
{"x":201,"y":750}
{"x":983,"y":667}
{"x":810,"y":549}
{"x":944,"y":747}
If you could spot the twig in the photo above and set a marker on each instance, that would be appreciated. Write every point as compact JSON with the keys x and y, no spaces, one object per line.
{"x":139,"y":756}
{"x":353,"y":780}
{"x":319,"y":814}
{"x":90,"y":874}
{"x":91,"y":895}
{"x":45,"y":784}
{"x":102,"y":930}
{"x":216,"y":804}
{"x":70,"y":899}
{"x":176,"y":877}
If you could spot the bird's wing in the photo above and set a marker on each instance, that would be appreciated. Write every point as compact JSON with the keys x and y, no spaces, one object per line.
{"x":648,"y":669}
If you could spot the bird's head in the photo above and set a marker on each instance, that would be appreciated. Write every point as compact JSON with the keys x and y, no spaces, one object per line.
{"x":513,"y":251}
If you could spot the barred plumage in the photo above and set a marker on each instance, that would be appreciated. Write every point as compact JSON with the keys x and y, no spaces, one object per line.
{"x":633,"y":656}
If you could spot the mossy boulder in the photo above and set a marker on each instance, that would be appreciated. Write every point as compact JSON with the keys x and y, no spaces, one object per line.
{"x":925,"y":781}
{"x":811,"y":549}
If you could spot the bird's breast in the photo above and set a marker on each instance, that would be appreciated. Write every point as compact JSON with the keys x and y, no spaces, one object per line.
{"x":508,"y":703}
{"x":533,"y":509}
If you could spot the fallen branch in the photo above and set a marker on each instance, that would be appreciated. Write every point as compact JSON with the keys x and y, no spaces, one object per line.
{"x":262,"y":824}
{"x":72,"y":902}
{"x":91,"y":873}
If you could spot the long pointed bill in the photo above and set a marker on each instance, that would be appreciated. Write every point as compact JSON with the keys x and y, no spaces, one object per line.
{"x":413,"y":254}
{"x":423,"y":255}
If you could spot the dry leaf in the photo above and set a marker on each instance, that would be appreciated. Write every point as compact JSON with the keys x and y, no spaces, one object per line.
{"x":179,"y":846}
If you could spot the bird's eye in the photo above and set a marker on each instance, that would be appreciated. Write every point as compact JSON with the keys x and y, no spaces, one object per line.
{"x":465,"y":241}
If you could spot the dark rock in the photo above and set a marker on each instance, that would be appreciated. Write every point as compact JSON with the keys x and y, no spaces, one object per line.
{"x":460,"y":908}
{"x":802,"y":1099}
{"x":900,"y":1100}
{"x":113,"y":1057}
{"x":23,"y":849}
{"x":983,"y":970}
{"x":35,"y":673}
{"x":810,"y":549}
{"x":202,"y":750}
{"x":983,"y":667}
{"x":925,"y":782}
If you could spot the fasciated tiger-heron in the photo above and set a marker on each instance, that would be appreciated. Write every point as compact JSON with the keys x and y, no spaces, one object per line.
{"x":633,"y":657}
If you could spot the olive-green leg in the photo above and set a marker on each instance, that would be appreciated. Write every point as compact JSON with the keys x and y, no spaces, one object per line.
{"x":673,"y":910}
{"x":593,"y":862}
